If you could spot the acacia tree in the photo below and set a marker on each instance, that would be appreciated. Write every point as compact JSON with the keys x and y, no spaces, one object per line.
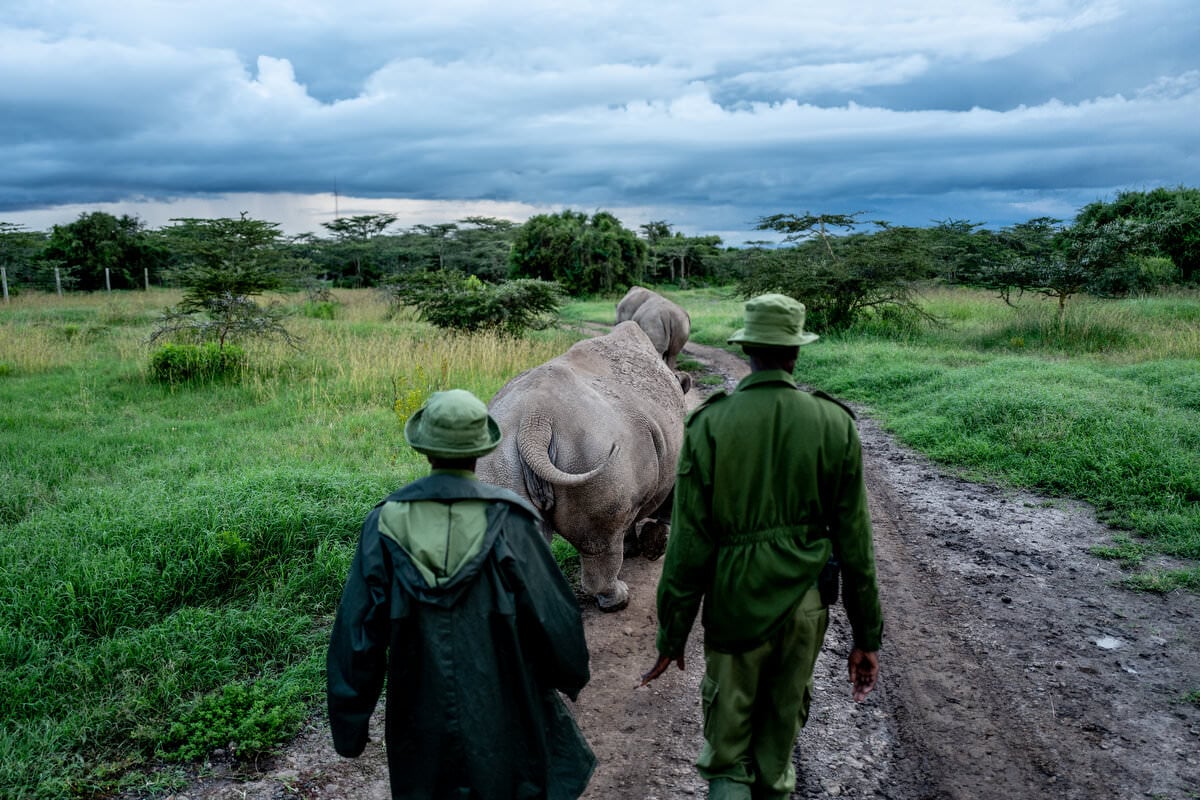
{"x":226,"y":264}
{"x":1040,"y":256}
{"x":452,"y":300}
{"x":839,"y":278}
{"x":353,"y":238}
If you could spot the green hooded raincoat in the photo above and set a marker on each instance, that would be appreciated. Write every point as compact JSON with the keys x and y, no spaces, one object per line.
{"x":473,"y":657}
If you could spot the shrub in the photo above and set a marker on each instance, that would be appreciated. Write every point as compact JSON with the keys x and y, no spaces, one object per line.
{"x":1135,"y":275}
{"x":453,"y":301}
{"x":246,"y":718}
{"x":182,"y":363}
{"x":319,"y":310}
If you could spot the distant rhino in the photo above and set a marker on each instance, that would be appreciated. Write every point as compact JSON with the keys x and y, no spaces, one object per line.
{"x":667,"y":324}
{"x":591,"y":439}
{"x":631,"y":301}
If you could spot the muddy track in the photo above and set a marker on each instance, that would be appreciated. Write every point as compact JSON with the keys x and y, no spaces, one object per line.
{"x":1013,"y":666}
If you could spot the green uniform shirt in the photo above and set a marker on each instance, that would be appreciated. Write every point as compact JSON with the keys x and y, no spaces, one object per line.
{"x":769,"y":486}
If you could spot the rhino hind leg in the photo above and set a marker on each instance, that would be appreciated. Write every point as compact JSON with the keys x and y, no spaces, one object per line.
{"x":652,"y":538}
{"x":600,"y":580}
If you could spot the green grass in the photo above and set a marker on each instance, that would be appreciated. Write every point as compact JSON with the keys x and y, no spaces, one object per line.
{"x":1106,"y":411}
{"x":171,"y":555}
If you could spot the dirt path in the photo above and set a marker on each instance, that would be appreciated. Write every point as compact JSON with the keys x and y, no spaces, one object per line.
{"x":1013,"y":667}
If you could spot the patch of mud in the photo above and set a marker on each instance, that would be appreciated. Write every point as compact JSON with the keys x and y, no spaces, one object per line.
{"x":1013,"y":666}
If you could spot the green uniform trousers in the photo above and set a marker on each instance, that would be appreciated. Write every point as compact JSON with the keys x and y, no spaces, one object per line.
{"x":755,"y":703}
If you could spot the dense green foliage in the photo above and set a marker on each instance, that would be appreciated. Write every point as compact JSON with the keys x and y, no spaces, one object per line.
{"x":585,"y":255}
{"x":464,"y":303}
{"x":20,"y":254}
{"x":98,"y":242}
{"x":1138,"y":242}
{"x":683,"y":260}
{"x":1168,"y":219}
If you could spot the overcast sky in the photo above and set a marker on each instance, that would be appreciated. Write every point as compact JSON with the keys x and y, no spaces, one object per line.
{"x":707,"y":114}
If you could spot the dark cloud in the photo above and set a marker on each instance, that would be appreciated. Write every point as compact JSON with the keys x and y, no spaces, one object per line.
{"x":708,"y":115}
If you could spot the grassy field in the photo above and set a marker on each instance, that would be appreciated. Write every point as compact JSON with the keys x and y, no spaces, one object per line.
{"x":170,"y":556}
{"x":158,"y":544}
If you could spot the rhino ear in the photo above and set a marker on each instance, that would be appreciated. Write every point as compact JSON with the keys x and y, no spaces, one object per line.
{"x":685,"y":380}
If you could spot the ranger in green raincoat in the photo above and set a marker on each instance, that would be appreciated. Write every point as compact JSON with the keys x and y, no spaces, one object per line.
{"x":454,"y":595}
{"x":769,"y":489}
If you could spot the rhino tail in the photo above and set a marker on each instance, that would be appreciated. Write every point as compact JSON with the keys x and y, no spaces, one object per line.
{"x":536,"y":443}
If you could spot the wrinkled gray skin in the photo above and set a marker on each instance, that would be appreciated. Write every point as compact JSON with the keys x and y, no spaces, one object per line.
{"x":666,"y":323}
{"x":591,"y":439}
{"x":632,"y":300}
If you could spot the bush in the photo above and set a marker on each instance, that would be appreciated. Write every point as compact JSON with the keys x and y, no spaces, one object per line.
{"x":840,"y":279}
{"x":1135,"y":275}
{"x":323,"y":309}
{"x":453,"y":301}
{"x":182,"y":363}
{"x":247,"y":719}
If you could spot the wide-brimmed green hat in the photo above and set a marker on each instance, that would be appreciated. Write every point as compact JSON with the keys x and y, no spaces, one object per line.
{"x":773,"y":320}
{"x":452,"y":424}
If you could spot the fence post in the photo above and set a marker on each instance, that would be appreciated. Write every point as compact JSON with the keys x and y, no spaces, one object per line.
{"x":146,"y":277}
{"x":58,"y":281}
{"x":4,"y":280}
{"x":108,"y":280}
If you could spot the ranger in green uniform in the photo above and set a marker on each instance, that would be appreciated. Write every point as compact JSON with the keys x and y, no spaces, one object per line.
{"x":455,"y":597}
{"x":769,"y":489}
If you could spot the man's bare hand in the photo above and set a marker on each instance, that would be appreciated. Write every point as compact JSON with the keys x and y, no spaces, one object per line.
{"x":864,"y":671}
{"x":659,"y":668}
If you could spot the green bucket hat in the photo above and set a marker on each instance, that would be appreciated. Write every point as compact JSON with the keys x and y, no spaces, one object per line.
{"x":773,"y":320}
{"x":452,"y":424}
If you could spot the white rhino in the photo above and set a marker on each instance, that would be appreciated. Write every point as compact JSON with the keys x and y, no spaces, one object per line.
{"x":667,"y":324}
{"x":631,"y":301}
{"x":591,"y":439}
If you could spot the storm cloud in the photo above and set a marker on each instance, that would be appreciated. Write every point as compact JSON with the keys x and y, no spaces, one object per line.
{"x":705,"y":114}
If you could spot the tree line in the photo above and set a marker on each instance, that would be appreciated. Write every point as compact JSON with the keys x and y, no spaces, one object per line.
{"x":841,"y":265}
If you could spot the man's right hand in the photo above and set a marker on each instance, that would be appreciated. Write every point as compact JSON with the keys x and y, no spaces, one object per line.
{"x":659,"y":668}
{"x":864,"y":671}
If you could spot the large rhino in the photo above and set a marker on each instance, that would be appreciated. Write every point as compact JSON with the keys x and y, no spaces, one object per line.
{"x":667,"y":324}
{"x":591,"y":439}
